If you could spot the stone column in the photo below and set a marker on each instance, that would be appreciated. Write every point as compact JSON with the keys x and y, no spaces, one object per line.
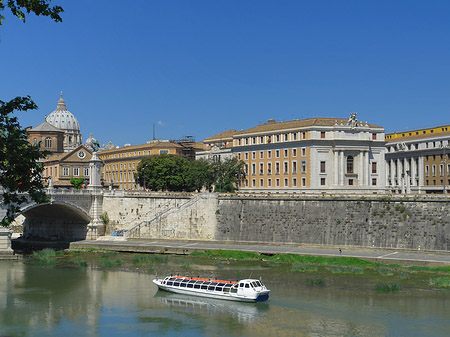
{"x":342,"y":169}
{"x":407,"y":176}
{"x":336,"y":168}
{"x":96,"y":227}
{"x":420,"y":169}
{"x":413,"y":171}
{"x":5,"y":241}
{"x":361,"y":168}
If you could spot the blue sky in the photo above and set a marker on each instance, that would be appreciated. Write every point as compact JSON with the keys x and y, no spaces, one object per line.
{"x":200,"y":67}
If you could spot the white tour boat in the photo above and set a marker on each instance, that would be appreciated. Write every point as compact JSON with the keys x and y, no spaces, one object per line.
{"x":248,"y":290}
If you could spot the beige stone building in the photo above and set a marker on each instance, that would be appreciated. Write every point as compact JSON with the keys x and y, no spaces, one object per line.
{"x":313,"y":156}
{"x":417,"y":161}
{"x":218,"y":147}
{"x":60,"y":167}
{"x":120,"y":164}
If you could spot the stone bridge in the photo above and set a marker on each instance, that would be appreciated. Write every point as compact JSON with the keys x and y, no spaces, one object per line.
{"x":69,"y":216}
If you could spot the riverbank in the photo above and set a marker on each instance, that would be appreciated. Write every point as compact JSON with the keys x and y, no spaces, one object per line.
{"x":282,"y":269}
{"x":180,"y":247}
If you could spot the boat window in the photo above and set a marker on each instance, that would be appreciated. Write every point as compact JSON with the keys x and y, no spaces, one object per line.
{"x":204,"y":287}
{"x":247,"y":286}
{"x":221,"y":284}
{"x":176,"y":284}
{"x":169,"y":283}
{"x":183,"y":285}
{"x":197,"y":286}
{"x":213,"y":283}
{"x":192,"y":281}
{"x":185,"y":281}
{"x":211,"y":287}
{"x":228,"y":285}
{"x":241,"y":285}
{"x":219,"y":288}
{"x":226,"y":290}
{"x":254,"y":284}
{"x":190,"y":285}
{"x":233,"y":290}
{"x":172,"y":279}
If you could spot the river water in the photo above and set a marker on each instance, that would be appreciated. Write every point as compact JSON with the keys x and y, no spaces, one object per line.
{"x":48,"y":301}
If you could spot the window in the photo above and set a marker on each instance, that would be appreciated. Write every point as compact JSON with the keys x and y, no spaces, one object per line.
{"x":349,"y":164}
{"x":441,"y":170}
{"x":294,"y":152}
{"x":322,"y":181}
{"x":254,"y":140}
{"x":322,"y":167}
{"x":286,"y":153}
{"x":303,"y":135}
{"x":322,"y":134}
{"x":277,"y":168}
{"x":374,"y":136}
{"x":261,"y":155}
{"x":269,"y":182}
{"x":76,"y":171}
{"x":374,"y":167}
{"x":86,"y":171}
{"x":246,"y":141}
{"x":269,"y":154}
{"x":65,"y":171}
{"x":261,"y":168}
{"x":278,"y":138}
{"x":48,"y":142}
{"x":286,"y":183}
{"x":303,"y":152}
{"x":269,"y":168}
{"x":277,"y":181}
{"x":253,"y":155}
{"x":239,"y":155}
{"x":269,"y":139}
{"x":246,"y":168}
{"x":374,"y":181}
{"x":261,"y":140}
{"x":261,"y":182}
{"x":427,"y":170}
{"x":433,"y":170}
{"x":350,"y":182}
{"x":246,"y":155}
{"x":253,"y":169}
{"x":253,"y":182}
{"x":294,"y":182}
{"x":286,"y":167}
{"x":303,"y":182}
{"x":277,"y":154}
{"x":286,"y":137}
{"x":294,"y":167}
{"x":303,"y":168}
{"x":294,"y":136}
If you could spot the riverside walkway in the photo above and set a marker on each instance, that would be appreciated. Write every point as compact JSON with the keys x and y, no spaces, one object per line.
{"x":401,"y":256}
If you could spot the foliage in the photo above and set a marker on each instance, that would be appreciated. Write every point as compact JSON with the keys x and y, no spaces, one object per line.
{"x":38,"y":7}
{"x":105,"y":218}
{"x":387,"y":287}
{"x":440,"y":282}
{"x":20,"y":170}
{"x":174,"y":173}
{"x":77,"y":183}
{"x":228,"y":174}
{"x":228,"y":254}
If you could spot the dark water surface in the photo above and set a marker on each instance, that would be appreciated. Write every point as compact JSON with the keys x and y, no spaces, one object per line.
{"x":48,"y":301}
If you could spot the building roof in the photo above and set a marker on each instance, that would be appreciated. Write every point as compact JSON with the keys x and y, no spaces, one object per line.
{"x":440,"y":131}
{"x":223,"y":135}
{"x":152,"y":144}
{"x":302,"y":123}
{"x":45,"y":127}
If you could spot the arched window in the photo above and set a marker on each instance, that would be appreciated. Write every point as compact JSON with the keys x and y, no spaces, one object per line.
{"x":349,"y":164}
{"x":48,"y":142}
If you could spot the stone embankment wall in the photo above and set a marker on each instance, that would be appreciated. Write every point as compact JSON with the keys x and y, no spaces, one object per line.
{"x":376,"y":222}
{"x":422,"y":222}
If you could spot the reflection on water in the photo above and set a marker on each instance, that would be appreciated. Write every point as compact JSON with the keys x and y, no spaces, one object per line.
{"x":46,"y":301}
{"x":242,"y":312}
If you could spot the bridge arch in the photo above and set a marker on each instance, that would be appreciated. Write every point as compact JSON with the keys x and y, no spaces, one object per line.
{"x":56,"y":220}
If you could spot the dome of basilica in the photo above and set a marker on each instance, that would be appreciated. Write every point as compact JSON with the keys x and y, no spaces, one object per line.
{"x":66,"y":121}
{"x":62,"y":118}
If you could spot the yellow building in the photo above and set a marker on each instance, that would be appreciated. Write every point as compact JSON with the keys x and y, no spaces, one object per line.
{"x":313,"y":155}
{"x":418,"y":160}
{"x":120,"y":164}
